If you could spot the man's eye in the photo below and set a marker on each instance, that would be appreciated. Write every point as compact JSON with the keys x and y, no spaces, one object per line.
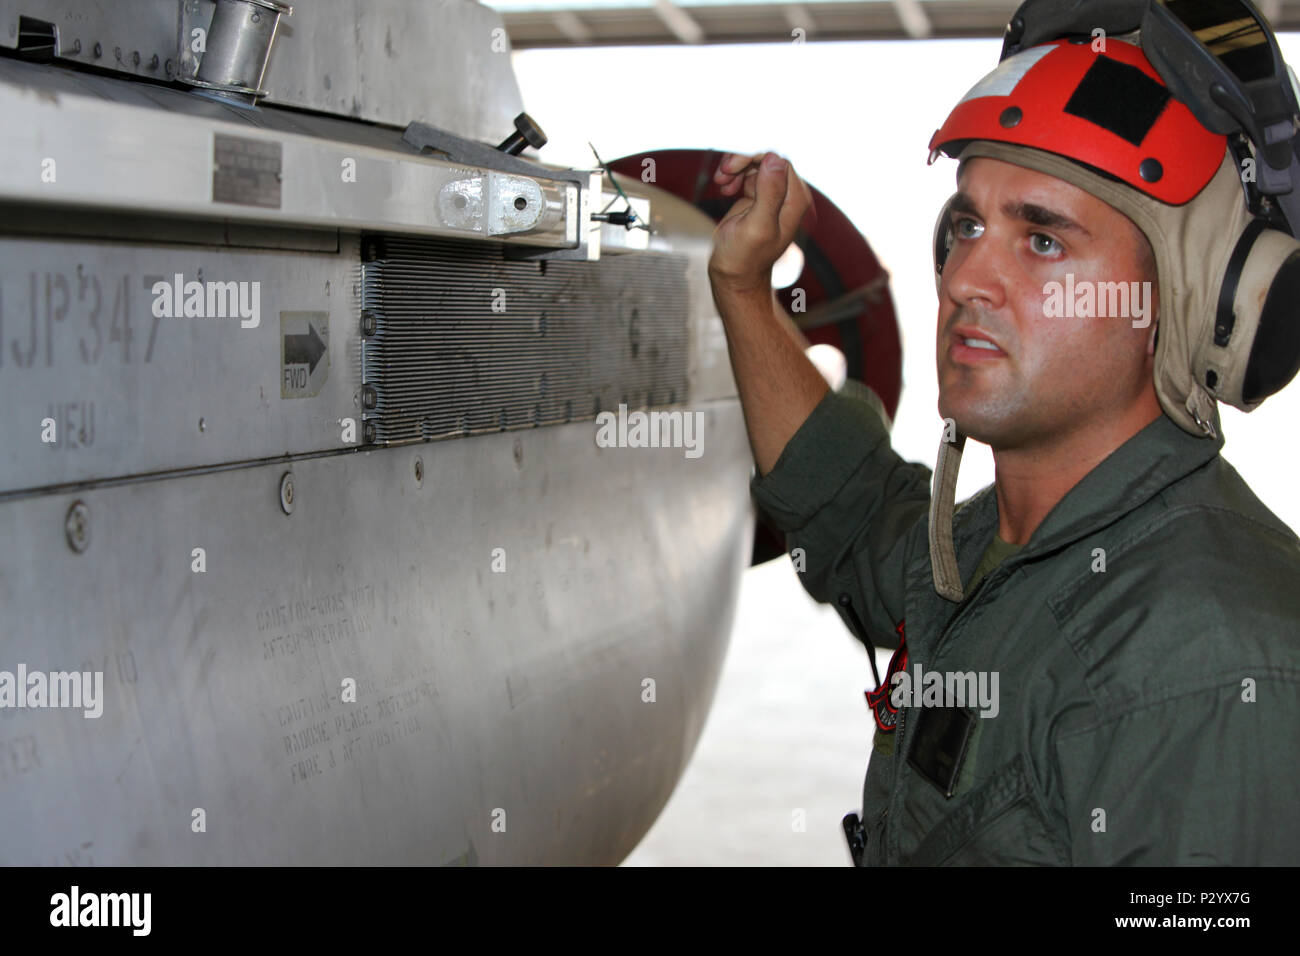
{"x":1044,"y":245}
{"x":967,"y":228}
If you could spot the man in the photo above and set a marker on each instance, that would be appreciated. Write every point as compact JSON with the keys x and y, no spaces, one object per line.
{"x":1098,"y":656}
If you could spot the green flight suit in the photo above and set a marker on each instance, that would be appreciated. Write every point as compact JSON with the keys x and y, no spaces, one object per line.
{"x":1148,"y":713}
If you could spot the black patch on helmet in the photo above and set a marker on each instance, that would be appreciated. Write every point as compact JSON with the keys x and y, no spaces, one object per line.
{"x":1119,"y":98}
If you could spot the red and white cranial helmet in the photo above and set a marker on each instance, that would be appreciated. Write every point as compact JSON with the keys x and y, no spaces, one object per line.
{"x":1108,"y":110}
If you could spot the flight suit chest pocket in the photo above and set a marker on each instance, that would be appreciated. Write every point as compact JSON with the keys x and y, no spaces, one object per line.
{"x":999,"y":823}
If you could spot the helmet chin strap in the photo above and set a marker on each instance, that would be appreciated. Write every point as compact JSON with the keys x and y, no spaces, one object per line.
{"x":943,"y":555}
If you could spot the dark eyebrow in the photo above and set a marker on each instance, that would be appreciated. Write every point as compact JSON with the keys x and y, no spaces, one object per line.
{"x":962,"y":204}
{"x":1040,"y":216}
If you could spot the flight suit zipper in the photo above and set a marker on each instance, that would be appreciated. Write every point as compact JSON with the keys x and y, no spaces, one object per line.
{"x":901,"y":727}
{"x":881,"y":824}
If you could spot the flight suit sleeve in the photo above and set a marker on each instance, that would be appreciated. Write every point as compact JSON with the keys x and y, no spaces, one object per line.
{"x":848,"y":504}
{"x":1208,"y":778}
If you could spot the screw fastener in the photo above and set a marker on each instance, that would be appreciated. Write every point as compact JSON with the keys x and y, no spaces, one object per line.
{"x":286,"y":493}
{"x":77,"y":526}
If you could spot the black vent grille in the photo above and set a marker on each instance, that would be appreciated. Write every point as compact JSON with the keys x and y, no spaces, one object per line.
{"x":574,"y":338}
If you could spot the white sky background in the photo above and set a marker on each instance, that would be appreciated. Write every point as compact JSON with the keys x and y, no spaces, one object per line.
{"x":854,"y":118}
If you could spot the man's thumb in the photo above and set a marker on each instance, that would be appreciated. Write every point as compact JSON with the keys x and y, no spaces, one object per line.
{"x":771,"y":187}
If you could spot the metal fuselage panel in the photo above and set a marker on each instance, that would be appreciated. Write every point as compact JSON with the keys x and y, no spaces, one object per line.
{"x":533,"y":621}
{"x":501,"y":715}
{"x":445,"y":62}
{"x":131,"y":393}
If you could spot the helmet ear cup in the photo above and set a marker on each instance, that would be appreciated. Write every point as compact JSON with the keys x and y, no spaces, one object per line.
{"x":1254,"y":348}
{"x":1275,"y":352}
{"x":943,"y":236}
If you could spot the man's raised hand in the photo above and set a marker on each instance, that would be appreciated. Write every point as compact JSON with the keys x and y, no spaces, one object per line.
{"x":761,"y":224}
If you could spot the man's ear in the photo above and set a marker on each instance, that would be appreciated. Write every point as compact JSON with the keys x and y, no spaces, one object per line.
{"x":1154,"y":338}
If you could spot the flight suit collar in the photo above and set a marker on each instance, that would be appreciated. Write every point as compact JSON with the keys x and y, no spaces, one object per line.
{"x":1152,"y":460}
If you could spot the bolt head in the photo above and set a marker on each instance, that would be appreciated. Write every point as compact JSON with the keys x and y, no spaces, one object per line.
{"x":77,"y":526}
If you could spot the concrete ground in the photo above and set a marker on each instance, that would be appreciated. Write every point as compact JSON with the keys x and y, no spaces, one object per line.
{"x":783,"y":754}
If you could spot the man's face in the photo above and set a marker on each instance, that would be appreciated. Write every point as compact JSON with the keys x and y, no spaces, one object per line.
{"x":1015,"y":232}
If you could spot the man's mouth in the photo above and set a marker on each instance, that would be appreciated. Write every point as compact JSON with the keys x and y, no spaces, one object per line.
{"x":972,"y":345}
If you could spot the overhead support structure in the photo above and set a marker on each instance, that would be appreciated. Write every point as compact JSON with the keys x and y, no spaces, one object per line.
{"x":679,"y":21}
{"x":615,"y":23}
{"x":912,"y":16}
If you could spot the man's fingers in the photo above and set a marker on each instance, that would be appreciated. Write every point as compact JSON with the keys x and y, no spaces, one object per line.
{"x":771,"y":202}
{"x":743,"y":181}
{"x":799,"y":204}
{"x":771,"y":186}
{"x":737,"y":183}
{"x":810,"y":219}
{"x":732,"y":168}
{"x":733,"y":163}
{"x":782,"y":198}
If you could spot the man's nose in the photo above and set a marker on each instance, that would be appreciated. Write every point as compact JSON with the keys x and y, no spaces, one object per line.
{"x":975,"y":274}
